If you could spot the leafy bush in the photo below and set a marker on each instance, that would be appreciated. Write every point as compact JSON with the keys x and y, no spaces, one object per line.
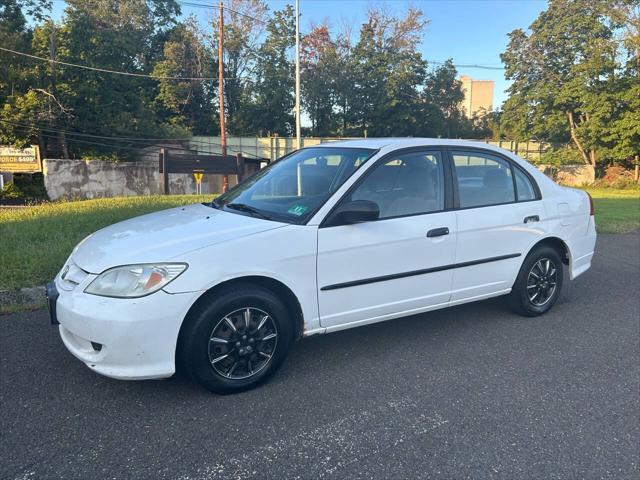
{"x":10,"y":190}
{"x":618,"y":177}
{"x":565,"y":155}
{"x":27,"y":186}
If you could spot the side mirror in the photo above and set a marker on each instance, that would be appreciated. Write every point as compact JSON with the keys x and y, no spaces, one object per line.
{"x":355,"y":211}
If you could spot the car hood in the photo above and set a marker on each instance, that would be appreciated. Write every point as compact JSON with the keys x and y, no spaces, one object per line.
{"x":164,"y":235}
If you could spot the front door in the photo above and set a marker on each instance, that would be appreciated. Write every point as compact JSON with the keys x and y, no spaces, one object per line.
{"x":376,"y":270}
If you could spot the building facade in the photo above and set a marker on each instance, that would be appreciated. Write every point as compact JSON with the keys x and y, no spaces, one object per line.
{"x":478,"y":96}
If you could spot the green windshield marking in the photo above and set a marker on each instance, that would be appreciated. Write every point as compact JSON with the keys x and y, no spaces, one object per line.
{"x":297,"y":210}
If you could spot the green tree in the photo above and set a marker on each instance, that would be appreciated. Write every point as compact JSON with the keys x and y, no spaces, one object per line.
{"x":443,"y":90}
{"x":566,"y":77}
{"x":123,"y":36}
{"x":272,"y":98}
{"x":344,"y":82}
{"x":388,"y":71}
{"x":624,"y":131}
{"x":188,"y":103}
{"x":18,"y":73}
{"x":243,"y":28}
{"x":318,"y":63}
{"x":15,"y":35}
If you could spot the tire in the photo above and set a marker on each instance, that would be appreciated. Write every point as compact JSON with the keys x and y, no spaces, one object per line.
{"x":531,"y":296}
{"x":215,"y":337}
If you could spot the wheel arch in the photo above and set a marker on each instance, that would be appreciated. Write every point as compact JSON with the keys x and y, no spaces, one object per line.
{"x":559,"y":245}
{"x":281,"y":290}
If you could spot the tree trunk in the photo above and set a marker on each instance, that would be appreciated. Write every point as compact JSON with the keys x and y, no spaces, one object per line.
{"x":576,"y":141}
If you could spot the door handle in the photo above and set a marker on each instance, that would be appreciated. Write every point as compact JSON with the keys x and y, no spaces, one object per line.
{"x":438,"y":232}
{"x":531,"y":218}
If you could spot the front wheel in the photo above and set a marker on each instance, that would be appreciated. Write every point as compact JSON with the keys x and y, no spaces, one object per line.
{"x":236,"y":341}
{"x":538,"y":284}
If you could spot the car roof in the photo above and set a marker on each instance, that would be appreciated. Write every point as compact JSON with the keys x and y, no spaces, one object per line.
{"x":399,"y":142}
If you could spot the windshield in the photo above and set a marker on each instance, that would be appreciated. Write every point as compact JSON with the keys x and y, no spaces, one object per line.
{"x":294,"y":187}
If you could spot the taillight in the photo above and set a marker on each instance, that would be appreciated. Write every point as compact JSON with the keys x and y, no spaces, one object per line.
{"x":592,"y":210}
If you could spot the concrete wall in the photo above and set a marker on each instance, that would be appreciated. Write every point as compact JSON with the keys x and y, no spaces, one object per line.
{"x":82,"y":179}
{"x":570,"y":175}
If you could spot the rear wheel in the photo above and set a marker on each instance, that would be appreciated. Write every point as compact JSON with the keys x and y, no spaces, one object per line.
{"x":237,"y":341}
{"x":539,"y":282}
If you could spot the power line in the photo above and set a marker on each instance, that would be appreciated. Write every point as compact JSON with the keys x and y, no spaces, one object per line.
{"x":140,"y":148}
{"x":88,"y":142}
{"x":196,"y":5}
{"x":148,"y":142}
{"x":246,"y":16}
{"x":211,"y":7}
{"x":105,"y":70}
{"x":108,"y":137}
{"x":459,"y":65}
{"x":203,"y":79}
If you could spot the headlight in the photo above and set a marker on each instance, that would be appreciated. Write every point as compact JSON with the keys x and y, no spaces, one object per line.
{"x":132,"y":281}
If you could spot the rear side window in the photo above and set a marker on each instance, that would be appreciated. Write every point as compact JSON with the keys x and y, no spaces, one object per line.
{"x":524,"y":186}
{"x":483,"y":179}
{"x":408,"y":184}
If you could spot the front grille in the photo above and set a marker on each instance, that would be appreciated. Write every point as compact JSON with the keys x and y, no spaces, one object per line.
{"x":71,"y":276}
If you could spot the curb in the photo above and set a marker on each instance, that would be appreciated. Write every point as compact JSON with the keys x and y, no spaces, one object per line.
{"x":23,"y":298}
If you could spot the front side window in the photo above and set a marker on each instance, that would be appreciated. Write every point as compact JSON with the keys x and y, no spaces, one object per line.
{"x":292,"y":189}
{"x":483,"y":179}
{"x":407,"y":184}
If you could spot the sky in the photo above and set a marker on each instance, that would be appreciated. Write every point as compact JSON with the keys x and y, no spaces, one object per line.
{"x":468,"y":31}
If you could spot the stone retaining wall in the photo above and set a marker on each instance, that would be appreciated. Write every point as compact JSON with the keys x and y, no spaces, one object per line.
{"x":570,"y":175}
{"x":83,"y":179}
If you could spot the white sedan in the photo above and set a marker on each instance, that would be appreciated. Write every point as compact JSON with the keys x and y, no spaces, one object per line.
{"x":327,"y":238}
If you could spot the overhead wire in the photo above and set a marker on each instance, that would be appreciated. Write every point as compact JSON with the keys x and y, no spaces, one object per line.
{"x":224,"y":7}
{"x":115,"y":72}
{"x":147,"y":142}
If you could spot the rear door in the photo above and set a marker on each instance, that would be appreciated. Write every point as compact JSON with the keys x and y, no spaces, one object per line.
{"x":500,"y":216}
{"x":375,"y":270}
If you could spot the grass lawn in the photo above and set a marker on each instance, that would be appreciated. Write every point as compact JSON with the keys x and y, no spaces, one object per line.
{"x":35,"y":241}
{"x":617,"y":211}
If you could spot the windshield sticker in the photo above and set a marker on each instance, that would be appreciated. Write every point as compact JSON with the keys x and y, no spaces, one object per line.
{"x":297,"y":210}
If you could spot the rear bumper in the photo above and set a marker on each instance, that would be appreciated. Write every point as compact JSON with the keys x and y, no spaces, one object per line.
{"x":582,"y":250}
{"x":127,"y":339}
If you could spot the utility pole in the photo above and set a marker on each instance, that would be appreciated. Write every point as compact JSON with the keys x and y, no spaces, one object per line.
{"x":53,"y":52}
{"x":223,"y":131}
{"x":298,"y":145}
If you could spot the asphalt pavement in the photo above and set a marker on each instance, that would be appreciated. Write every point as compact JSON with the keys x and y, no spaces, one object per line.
{"x":468,"y":392}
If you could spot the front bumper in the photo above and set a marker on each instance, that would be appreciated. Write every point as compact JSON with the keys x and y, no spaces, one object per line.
{"x":129,"y":339}
{"x":52,"y":300}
